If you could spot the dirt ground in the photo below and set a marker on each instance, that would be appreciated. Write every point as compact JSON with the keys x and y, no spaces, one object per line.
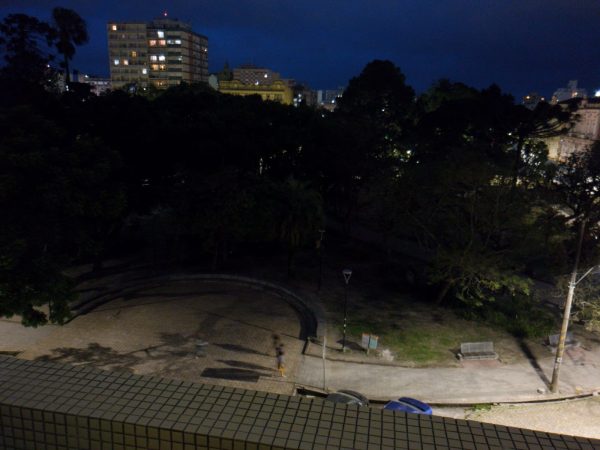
{"x":155,"y":332}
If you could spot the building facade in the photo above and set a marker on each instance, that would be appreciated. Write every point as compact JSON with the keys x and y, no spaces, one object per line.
{"x":252,"y":80}
{"x":98,"y":85}
{"x":161,"y":53}
{"x":582,"y":135}
{"x":571,"y":91}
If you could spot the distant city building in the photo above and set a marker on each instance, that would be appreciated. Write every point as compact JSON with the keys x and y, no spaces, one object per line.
{"x":532,"y":99}
{"x":160,"y":53}
{"x":571,"y":91}
{"x":584,"y":132}
{"x":304,"y":95}
{"x":213,"y":81}
{"x":98,"y":85}
{"x":252,"y":80}
{"x":328,"y":98}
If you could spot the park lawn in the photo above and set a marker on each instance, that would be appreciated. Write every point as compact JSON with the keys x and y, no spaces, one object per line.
{"x":421,"y":335}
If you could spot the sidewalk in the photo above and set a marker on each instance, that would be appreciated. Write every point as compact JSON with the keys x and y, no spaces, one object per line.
{"x":475,"y":382}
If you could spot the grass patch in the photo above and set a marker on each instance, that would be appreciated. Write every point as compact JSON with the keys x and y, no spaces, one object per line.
{"x":481,"y":407}
{"x":423,"y":336}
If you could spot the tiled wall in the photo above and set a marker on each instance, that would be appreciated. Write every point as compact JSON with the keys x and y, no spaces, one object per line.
{"x":58,"y":407}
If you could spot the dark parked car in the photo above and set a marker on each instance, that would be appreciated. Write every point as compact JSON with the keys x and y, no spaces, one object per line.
{"x":408,"y":405}
{"x":348,"y":397}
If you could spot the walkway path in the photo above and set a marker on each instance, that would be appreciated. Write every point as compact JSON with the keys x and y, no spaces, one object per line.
{"x":475,"y":382}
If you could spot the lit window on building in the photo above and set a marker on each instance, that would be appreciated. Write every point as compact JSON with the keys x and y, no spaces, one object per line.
{"x":177,"y":41}
{"x":160,"y":34}
{"x":133,"y":54}
{"x":152,"y":42}
{"x":154,"y":66}
{"x":145,"y":71}
{"x":162,"y":67}
{"x":180,"y":58}
{"x":125,"y":62}
{"x":116,"y":62}
{"x":162,"y":42}
{"x":162,"y":58}
{"x":153,"y":58}
{"x":113,"y":27}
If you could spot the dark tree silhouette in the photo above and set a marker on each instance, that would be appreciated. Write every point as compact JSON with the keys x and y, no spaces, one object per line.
{"x":70,"y":31}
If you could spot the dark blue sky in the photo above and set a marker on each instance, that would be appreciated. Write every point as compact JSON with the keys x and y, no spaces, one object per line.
{"x":523,"y":45}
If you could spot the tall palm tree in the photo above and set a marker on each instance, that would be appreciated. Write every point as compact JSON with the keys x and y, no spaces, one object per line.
{"x":71,"y":30}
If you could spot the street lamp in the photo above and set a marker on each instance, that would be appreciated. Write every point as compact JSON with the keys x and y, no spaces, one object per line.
{"x":347,"y":274}
{"x":320,"y":247}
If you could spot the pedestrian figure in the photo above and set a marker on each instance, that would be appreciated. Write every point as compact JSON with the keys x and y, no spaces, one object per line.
{"x":280,"y":360}
{"x":276,"y":341}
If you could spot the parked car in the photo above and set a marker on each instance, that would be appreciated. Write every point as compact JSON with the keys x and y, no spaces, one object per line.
{"x":408,"y":405}
{"x":348,"y":397}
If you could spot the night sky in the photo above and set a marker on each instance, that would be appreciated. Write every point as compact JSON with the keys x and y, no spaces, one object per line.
{"x":522,"y":45}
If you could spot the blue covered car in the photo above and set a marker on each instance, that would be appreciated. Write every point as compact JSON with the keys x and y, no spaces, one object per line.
{"x":408,"y":405}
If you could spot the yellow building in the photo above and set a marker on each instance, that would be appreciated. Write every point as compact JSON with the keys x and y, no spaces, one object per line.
{"x":277,"y":91}
{"x":252,"y":80}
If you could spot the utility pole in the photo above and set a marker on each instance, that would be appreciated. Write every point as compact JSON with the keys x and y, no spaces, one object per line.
{"x":567,"y":312}
{"x":347,"y":274}
{"x":320,"y":247}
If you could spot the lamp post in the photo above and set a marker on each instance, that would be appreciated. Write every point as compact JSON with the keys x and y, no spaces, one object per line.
{"x":347,"y":274}
{"x":320,"y":247}
{"x":567,"y":313}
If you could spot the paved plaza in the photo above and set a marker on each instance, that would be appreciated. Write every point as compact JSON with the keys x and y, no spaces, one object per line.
{"x":156,"y":331}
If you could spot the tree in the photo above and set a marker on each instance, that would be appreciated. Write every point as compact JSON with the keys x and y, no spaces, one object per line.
{"x":297,"y":215}
{"x":60,"y":204}
{"x":460,"y":202}
{"x":25,"y":42}
{"x":70,"y":31}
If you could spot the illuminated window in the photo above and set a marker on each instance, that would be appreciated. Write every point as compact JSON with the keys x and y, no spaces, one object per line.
{"x":160,"y":34}
{"x":162,"y":67}
{"x":133,"y":54}
{"x":152,"y":42}
{"x":153,"y":58}
{"x":180,"y":58}
{"x":125,"y":62}
{"x":162,"y":42}
{"x":154,"y":66}
{"x":116,"y":61}
{"x":177,"y":41}
{"x":145,"y":71}
{"x":161,"y":58}
{"x":113,"y":27}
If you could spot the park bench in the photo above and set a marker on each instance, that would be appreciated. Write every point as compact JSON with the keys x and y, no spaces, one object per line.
{"x":477,"y":350}
{"x":570,"y":341}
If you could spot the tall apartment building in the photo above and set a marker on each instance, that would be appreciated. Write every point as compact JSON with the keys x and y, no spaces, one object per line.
{"x":160,"y":53}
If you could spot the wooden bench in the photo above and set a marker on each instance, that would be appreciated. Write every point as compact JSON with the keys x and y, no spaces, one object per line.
{"x":570,"y":341}
{"x":477,"y":350}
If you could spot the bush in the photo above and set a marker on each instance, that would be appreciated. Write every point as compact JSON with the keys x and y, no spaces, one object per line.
{"x":520,"y":315}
